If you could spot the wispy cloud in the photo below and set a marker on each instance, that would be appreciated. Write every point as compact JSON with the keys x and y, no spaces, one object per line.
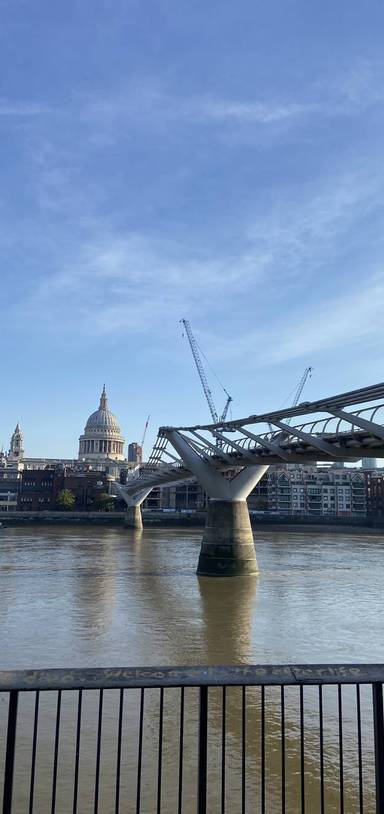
{"x":148,"y":104}
{"x":109,"y":285}
{"x":340,"y":322}
{"x":306,"y":229}
{"x":116,"y":286}
{"x":356,"y":87}
{"x":211,"y":109}
{"x":22,"y":108}
{"x":149,"y":100}
{"x":116,"y":281}
{"x":350,"y":319}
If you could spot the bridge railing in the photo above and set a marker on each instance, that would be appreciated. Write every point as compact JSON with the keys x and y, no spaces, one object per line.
{"x":329,"y":427}
{"x":325,"y":426}
{"x":244,"y":738}
{"x":332,"y":425}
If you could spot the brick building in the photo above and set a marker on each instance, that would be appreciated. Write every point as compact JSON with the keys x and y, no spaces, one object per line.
{"x":375,"y":493}
{"x":89,"y":488}
{"x":39,"y":488}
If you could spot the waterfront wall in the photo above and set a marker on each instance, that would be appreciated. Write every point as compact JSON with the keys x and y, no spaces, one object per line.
{"x":62,"y":518}
{"x":98,"y":518}
{"x":185,"y":519}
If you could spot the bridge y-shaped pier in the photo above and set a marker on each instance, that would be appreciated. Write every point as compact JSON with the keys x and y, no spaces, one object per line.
{"x":229,"y":458}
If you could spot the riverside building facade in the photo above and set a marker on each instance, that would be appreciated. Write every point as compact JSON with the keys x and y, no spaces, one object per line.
{"x":375,"y":493}
{"x":317,"y":491}
{"x":39,"y":489}
{"x":288,"y":491}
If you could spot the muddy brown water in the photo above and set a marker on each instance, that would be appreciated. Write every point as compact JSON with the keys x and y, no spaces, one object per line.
{"x":112,"y":597}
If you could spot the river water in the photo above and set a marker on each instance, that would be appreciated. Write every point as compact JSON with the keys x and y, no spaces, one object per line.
{"x":112,"y":597}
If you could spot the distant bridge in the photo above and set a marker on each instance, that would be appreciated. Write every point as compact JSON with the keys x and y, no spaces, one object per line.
{"x":229,"y":458}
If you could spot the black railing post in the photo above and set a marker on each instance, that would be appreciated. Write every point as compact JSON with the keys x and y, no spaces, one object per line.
{"x":10,"y":751}
{"x":203,"y":752}
{"x":378,"y":725}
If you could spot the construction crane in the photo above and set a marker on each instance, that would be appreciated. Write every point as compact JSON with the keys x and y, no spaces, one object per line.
{"x":307,"y":373}
{"x":300,"y":388}
{"x":199,"y":365}
{"x":145,"y":432}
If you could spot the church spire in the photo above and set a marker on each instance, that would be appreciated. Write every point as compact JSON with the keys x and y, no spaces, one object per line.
{"x":103,"y":400}
{"x":16,"y":449}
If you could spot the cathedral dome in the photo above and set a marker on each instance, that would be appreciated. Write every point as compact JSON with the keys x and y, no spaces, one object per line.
{"x":103,"y":419}
{"x":102,"y":435}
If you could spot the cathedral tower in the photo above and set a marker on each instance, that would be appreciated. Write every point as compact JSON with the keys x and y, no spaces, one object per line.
{"x":16,"y":449}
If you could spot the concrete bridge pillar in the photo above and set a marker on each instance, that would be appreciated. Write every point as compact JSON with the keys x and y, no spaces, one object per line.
{"x":133,"y":517}
{"x":227,"y":548}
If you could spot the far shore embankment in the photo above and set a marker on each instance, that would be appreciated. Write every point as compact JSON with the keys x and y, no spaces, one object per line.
{"x":366,"y":525}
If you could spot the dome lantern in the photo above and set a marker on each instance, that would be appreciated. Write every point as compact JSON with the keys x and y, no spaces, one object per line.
{"x":103,"y":400}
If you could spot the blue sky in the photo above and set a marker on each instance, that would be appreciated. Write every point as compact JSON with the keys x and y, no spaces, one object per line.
{"x":221,"y":162}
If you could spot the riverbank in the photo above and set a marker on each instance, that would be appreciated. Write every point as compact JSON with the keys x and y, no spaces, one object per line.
{"x":366,"y":525}
{"x":63,"y":518}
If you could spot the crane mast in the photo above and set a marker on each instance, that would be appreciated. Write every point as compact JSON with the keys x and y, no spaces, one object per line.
{"x":201,"y":372}
{"x":145,"y":432}
{"x":307,"y":372}
{"x":226,"y":408}
{"x":300,"y":388}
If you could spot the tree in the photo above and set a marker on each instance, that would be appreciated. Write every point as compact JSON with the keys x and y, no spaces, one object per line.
{"x":66,"y":500}
{"x":104,"y":501}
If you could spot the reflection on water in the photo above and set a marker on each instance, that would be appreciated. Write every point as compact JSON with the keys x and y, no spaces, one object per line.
{"x":113,"y":596}
{"x":99,"y":597}
{"x":226,"y":613}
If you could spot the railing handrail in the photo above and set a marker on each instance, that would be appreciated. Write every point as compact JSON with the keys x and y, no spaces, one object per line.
{"x":185,"y":676}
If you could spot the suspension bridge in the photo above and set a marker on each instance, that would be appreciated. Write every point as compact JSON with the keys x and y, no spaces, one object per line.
{"x":228,"y":458}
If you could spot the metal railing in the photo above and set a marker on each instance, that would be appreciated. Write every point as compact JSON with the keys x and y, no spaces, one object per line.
{"x":296,"y":738}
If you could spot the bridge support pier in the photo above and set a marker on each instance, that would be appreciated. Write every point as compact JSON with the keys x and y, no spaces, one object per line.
{"x":133,"y":518}
{"x":227,"y":548}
